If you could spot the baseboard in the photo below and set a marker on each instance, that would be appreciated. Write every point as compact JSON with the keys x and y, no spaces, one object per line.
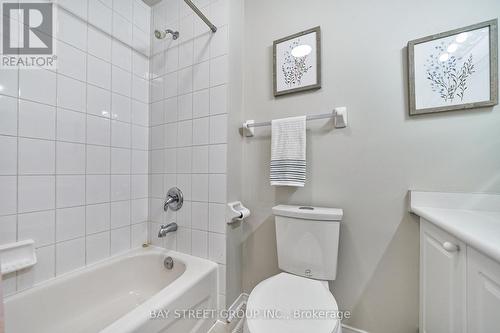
{"x":350,"y":329}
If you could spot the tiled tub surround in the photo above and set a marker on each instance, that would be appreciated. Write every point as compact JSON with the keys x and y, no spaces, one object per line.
{"x":188,"y":129}
{"x":74,"y":142}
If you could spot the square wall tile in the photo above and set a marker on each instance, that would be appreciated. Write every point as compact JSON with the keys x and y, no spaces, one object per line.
{"x":36,"y":193}
{"x":36,"y":120}
{"x":70,"y":158}
{"x":39,"y":226}
{"x":70,"y":126}
{"x":98,"y":131}
{"x":120,"y":161}
{"x":98,"y":160}
{"x":97,"y":218}
{"x":98,"y":189}
{"x":38,"y":86}
{"x":70,"y":255}
{"x":70,"y":223}
{"x":70,"y":191}
{"x":36,"y":157}
{"x":120,"y":187}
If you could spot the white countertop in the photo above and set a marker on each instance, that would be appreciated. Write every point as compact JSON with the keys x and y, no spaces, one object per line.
{"x":472,"y":218}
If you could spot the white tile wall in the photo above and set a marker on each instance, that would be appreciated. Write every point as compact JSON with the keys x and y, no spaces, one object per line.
{"x":188,"y":127}
{"x":74,"y":142}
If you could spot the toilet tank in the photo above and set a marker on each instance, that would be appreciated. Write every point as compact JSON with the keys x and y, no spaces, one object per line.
{"x":308,"y":240}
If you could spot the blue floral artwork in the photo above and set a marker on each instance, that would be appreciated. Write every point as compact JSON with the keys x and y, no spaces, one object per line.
{"x":449,"y":76}
{"x":294,"y":68}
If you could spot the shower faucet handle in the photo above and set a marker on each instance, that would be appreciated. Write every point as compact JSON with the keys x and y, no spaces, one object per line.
{"x":174,"y":199}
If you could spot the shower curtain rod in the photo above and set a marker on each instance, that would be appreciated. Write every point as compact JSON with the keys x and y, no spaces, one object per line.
{"x":201,"y":15}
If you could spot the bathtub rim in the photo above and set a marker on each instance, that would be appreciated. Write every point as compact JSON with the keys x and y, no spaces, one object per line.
{"x":196,"y":269}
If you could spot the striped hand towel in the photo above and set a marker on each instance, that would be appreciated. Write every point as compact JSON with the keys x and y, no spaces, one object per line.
{"x":288,"y":152}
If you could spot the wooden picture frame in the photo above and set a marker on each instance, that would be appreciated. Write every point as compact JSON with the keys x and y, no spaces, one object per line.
{"x":449,"y":79}
{"x":295,"y":73}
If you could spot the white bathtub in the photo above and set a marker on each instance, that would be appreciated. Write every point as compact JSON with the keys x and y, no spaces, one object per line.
{"x":117,"y":296}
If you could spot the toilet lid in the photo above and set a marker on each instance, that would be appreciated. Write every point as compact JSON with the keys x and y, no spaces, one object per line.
{"x":287,"y":303}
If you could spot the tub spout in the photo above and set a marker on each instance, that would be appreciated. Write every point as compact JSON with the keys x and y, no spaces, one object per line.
{"x":166,"y":228}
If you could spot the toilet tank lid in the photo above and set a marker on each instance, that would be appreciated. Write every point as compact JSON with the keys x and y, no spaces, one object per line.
{"x":309,"y":212}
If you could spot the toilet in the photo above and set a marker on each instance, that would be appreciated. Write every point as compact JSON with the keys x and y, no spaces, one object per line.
{"x":298,"y":300}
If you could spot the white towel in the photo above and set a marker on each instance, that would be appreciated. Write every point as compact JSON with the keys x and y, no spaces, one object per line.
{"x":288,"y":152}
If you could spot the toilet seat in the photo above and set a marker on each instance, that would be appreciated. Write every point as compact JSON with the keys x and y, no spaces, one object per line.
{"x":274,"y":302}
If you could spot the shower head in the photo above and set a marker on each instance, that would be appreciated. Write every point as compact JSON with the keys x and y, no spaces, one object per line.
{"x":162,"y":34}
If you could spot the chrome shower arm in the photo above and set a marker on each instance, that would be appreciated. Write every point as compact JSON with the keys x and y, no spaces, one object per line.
{"x":201,"y":15}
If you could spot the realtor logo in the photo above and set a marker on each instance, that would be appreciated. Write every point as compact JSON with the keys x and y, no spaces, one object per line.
{"x":27,"y":28}
{"x":28,"y":36}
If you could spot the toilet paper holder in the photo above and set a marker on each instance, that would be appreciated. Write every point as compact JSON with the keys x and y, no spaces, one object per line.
{"x":237,"y":212}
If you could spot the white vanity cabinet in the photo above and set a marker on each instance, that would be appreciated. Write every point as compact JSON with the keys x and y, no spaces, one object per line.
{"x":483,"y":293}
{"x":459,"y":261}
{"x":442,"y":281}
{"x":459,"y":286}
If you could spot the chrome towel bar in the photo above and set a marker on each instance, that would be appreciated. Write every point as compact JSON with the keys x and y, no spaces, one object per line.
{"x":339,"y":116}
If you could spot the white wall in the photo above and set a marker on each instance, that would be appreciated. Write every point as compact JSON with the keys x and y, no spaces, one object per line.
{"x":188,"y":127}
{"x":73,"y":142}
{"x":367,"y":168}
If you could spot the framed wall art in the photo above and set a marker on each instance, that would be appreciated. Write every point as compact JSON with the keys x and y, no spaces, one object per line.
{"x":297,"y":62}
{"x":454,"y":70}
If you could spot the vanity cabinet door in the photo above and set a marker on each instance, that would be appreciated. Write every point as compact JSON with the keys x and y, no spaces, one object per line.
{"x":483,"y":293}
{"x":442,"y":281}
